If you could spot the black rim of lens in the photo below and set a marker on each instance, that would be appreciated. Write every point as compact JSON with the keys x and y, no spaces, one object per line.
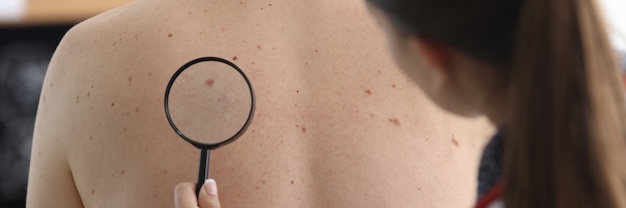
{"x":180,"y":133}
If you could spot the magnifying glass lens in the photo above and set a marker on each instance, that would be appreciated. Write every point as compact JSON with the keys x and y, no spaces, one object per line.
{"x":209,"y":102}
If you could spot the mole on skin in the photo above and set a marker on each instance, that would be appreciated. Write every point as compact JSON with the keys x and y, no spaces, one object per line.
{"x":209,"y":82}
{"x":454,"y":141}
{"x":395,"y":121}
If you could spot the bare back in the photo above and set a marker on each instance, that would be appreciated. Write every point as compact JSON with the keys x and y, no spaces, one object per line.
{"x":336,"y":124}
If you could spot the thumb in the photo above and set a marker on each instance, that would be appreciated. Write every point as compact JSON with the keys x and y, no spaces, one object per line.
{"x":207,"y":198}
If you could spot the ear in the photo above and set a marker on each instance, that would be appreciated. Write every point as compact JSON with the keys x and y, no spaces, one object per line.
{"x":436,"y":57}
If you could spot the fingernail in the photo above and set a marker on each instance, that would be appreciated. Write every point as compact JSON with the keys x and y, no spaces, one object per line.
{"x":210,"y":187}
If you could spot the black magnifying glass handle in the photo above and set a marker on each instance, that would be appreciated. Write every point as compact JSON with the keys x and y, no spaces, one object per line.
{"x":203,"y":172}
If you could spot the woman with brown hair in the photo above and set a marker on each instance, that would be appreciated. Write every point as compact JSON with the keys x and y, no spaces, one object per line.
{"x":543,"y":71}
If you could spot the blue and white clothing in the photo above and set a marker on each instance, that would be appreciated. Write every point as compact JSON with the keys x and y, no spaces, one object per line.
{"x":490,"y":186}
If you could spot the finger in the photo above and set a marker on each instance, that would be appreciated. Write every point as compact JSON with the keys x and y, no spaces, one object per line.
{"x":185,"y":196}
{"x":208,"y":195}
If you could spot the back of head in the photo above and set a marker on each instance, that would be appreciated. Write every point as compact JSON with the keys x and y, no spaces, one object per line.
{"x":565,"y":137}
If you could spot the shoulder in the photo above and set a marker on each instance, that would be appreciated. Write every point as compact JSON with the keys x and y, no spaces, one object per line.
{"x":101,"y":85}
{"x":103,"y":52}
{"x":99,"y":35}
{"x":101,"y":71}
{"x":59,"y":115}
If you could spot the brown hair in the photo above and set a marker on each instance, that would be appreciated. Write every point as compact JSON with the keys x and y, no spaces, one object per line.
{"x":565,"y":140}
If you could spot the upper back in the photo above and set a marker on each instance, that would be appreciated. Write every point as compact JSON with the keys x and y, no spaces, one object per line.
{"x":336,"y":124}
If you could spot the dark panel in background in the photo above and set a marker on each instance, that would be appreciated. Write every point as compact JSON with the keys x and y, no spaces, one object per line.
{"x":24,"y":56}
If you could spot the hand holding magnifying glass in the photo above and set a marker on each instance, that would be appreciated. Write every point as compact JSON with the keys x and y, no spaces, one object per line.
{"x":184,"y":196}
{"x":209,"y":102}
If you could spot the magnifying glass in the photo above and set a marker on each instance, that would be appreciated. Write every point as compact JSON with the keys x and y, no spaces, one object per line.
{"x":209,"y":102}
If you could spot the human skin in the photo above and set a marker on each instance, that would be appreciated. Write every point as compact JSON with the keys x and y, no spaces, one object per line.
{"x":336,"y":124}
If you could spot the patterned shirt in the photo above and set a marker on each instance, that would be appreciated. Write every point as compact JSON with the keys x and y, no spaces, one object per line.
{"x":489,"y":174}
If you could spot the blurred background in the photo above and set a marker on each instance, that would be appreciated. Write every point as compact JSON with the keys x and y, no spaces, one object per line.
{"x":29,"y":33}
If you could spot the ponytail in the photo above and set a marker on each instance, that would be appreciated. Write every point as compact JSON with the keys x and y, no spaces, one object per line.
{"x":565,"y":143}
